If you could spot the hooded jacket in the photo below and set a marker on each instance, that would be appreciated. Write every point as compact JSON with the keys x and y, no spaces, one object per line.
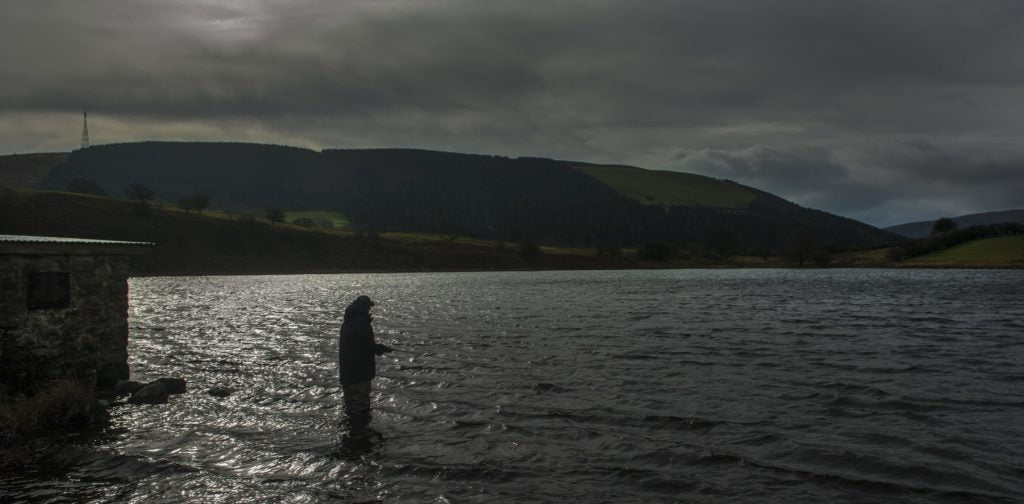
{"x":356,"y":345}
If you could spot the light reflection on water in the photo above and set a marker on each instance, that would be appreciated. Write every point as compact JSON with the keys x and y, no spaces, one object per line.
{"x":705,"y":386}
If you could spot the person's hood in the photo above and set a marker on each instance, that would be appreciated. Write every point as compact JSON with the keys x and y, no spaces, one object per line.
{"x":359,"y":307}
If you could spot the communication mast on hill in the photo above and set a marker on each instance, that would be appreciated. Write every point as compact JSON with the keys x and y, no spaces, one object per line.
{"x":85,"y":129}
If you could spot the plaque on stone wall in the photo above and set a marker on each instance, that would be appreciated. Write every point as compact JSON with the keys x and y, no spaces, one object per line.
{"x":48,"y":290}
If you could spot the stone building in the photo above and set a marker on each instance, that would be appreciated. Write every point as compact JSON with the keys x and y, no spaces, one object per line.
{"x":64,"y":309}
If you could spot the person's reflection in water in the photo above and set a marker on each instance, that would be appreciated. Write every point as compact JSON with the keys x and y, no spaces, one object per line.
{"x":355,"y":446}
{"x":357,"y":365}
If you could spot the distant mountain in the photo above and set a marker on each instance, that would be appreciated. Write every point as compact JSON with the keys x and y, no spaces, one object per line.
{"x":493,"y":197}
{"x":922,"y":229}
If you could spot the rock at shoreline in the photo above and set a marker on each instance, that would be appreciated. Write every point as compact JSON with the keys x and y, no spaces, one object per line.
{"x":125,"y":387}
{"x":153,"y":393}
{"x":174,"y":385}
{"x":220,"y":391}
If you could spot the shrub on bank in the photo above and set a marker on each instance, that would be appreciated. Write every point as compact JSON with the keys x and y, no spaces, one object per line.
{"x":61,"y":406}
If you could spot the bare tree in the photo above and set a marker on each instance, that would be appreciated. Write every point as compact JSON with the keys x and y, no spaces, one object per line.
{"x":275,"y":215}
{"x":139,"y":192}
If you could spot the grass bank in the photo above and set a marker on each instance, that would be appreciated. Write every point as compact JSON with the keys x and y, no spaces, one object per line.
{"x":62,"y":406}
{"x":1004,"y":251}
{"x":1001,"y":252}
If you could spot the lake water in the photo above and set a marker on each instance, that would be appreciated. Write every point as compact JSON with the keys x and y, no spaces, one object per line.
{"x":708,"y":386}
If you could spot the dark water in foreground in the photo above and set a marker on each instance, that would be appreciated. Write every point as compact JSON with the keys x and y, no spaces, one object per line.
{"x":655,"y":386}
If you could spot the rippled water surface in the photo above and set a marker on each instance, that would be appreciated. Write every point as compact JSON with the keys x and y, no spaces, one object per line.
{"x":630,"y":386}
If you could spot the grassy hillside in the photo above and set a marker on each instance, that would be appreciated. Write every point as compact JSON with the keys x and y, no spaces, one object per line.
{"x":1002,"y":251}
{"x":215,"y":243}
{"x":652,"y":187}
{"x":560,"y":203}
{"x":320,"y":218}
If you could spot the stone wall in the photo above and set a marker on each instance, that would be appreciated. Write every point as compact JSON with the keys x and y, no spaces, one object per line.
{"x":47,"y":331}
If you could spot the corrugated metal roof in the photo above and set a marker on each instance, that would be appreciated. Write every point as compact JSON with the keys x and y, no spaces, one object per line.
{"x":67,"y":240}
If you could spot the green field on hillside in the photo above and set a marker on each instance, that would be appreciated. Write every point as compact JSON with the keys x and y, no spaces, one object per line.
{"x":651,"y":187}
{"x":322,"y":220}
{"x":991,"y":251}
{"x":337,"y":220}
{"x":1002,"y":252}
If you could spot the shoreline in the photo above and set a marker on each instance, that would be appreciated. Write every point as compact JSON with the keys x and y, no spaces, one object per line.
{"x":526,"y":270}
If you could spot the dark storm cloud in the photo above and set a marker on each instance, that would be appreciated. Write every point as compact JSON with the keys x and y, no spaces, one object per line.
{"x":868,"y":108}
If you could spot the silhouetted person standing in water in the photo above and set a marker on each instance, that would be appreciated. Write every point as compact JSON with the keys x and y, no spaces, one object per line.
{"x":357,"y":363}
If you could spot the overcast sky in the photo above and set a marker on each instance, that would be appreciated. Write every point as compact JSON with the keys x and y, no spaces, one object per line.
{"x":885,"y":111}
